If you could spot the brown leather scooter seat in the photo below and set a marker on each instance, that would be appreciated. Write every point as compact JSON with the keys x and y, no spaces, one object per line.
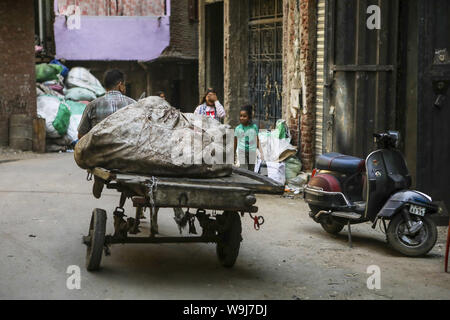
{"x":340,"y":162}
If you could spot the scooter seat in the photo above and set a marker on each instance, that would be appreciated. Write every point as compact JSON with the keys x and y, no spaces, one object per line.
{"x":334,"y":161}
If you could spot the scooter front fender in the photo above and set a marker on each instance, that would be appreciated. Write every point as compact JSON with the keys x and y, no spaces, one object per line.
{"x":404,"y":197}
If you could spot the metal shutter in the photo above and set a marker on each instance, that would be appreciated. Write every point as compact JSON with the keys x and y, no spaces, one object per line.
{"x":320,"y":46}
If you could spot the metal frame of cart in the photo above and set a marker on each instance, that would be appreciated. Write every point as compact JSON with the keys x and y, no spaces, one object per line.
{"x":234,"y":195}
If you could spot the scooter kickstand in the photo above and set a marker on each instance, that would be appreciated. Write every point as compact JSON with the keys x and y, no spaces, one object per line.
{"x":349,"y":234}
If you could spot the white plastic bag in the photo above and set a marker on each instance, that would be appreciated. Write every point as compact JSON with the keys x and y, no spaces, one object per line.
{"x":76,"y":110}
{"x":72,"y":131}
{"x":47,"y":108}
{"x":275,"y":149}
{"x":276,"y":171}
{"x":81,"y":77}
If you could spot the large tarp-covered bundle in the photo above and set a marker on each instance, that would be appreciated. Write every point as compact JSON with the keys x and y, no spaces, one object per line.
{"x":150,"y":137}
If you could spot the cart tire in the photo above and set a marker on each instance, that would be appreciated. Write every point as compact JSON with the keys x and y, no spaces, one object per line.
{"x":97,"y":230}
{"x":227,"y":248}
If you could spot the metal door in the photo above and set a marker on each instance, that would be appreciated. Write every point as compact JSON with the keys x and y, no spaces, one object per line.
{"x":265,"y":60}
{"x":433,"y":140}
{"x":359,"y":95}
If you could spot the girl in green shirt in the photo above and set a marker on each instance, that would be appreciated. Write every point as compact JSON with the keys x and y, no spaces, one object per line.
{"x":246,"y":139}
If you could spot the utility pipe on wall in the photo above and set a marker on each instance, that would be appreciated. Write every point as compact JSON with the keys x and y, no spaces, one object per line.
{"x":41,"y":23}
{"x":147,"y":77}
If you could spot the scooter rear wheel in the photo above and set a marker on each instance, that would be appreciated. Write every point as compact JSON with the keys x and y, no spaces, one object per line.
{"x":328,"y":223}
{"x":331,"y":226}
{"x":411,"y":245}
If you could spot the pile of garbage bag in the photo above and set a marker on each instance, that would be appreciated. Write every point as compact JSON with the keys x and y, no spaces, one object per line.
{"x":151,"y":137}
{"x":62,"y":96}
{"x":280,"y":161}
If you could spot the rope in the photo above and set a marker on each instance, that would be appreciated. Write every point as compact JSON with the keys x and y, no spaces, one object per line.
{"x":152,"y":186}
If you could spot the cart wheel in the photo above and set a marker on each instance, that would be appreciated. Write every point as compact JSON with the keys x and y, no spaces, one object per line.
{"x":228,"y":247}
{"x":97,"y":230}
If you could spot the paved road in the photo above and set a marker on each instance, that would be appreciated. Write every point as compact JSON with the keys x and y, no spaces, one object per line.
{"x":45,"y":208}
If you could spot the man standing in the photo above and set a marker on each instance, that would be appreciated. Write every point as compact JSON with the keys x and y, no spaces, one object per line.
{"x":102,"y":107}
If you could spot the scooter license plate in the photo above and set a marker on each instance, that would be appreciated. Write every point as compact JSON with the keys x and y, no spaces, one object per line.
{"x":418,"y":211}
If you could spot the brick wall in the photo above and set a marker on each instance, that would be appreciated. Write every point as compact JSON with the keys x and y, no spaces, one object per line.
{"x":307,"y":56}
{"x":291,"y":67}
{"x":183,"y":32}
{"x":299,"y":25}
{"x":17,"y":62}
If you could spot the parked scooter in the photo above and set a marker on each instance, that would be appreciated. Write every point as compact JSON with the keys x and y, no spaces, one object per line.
{"x":345,"y":190}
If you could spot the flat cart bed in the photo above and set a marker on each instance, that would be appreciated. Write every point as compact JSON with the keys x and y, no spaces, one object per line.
{"x":233,"y":195}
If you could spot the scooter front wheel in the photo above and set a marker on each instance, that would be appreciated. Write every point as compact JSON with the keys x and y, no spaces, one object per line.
{"x":412,"y":245}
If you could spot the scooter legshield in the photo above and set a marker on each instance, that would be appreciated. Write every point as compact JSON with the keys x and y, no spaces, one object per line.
{"x":401,"y":198}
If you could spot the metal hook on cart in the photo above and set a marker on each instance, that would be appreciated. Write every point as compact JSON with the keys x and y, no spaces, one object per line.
{"x":152,"y":185}
{"x":257,"y":221}
{"x":119,"y":212}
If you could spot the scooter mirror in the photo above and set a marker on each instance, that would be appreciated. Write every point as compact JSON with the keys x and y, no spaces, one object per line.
{"x":395,"y":137}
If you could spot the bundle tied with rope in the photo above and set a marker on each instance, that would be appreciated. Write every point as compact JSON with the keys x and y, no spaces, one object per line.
{"x":152,"y":138}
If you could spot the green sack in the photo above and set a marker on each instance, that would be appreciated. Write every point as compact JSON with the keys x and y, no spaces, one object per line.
{"x":61,"y":122}
{"x":281,"y":130}
{"x":293,"y":168}
{"x":75,"y":107}
{"x":47,"y":72}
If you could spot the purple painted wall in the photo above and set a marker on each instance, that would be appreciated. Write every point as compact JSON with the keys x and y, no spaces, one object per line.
{"x":113,"y":37}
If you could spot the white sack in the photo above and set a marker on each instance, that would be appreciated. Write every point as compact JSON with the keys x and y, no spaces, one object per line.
{"x":47,"y":108}
{"x":81,"y":77}
{"x":276,"y":171}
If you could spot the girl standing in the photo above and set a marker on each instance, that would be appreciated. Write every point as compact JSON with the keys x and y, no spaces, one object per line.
{"x":246,"y":139}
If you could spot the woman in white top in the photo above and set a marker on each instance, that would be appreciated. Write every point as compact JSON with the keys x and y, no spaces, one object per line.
{"x":210,"y":106}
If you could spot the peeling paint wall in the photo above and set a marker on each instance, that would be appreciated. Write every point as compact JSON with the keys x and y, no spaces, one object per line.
{"x":235,"y":58}
{"x":292,"y":66}
{"x":299,"y":25}
{"x":112,"y":37}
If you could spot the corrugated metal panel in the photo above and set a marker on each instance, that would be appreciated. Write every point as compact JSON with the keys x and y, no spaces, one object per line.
{"x":320,"y":75}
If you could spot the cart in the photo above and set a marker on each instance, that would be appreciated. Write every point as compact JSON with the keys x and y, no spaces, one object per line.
{"x":232,"y":196}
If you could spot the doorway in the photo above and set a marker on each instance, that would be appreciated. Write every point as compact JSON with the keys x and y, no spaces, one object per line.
{"x":265,"y":69}
{"x":214,"y":47}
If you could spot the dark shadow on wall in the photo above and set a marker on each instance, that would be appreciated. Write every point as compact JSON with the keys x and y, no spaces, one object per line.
{"x":177,"y":78}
